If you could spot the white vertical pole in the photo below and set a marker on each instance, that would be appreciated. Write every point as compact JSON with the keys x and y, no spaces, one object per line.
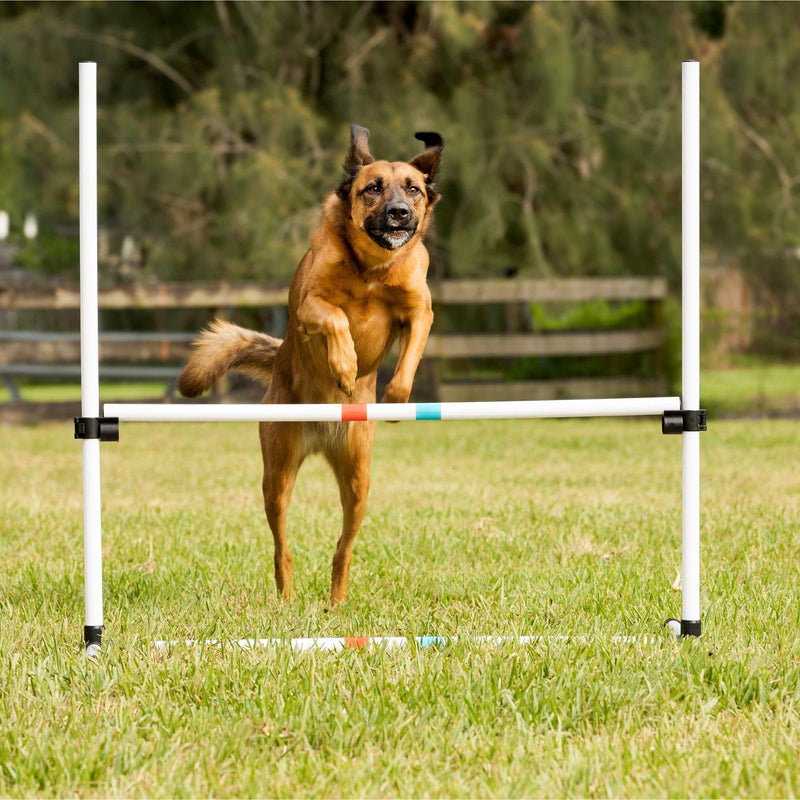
{"x":90,"y":383}
{"x":690,"y":570}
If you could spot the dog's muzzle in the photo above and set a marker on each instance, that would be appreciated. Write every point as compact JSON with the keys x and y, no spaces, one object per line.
{"x":393,"y":226}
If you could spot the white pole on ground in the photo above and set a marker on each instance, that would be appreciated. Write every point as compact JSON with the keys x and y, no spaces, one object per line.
{"x":90,"y":384}
{"x":690,"y":569}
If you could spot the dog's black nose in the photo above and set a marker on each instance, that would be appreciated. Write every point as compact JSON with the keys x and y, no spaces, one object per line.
{"x":398,"y":212}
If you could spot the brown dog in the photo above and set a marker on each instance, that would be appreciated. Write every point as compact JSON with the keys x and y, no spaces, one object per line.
{"x":360,"y":287}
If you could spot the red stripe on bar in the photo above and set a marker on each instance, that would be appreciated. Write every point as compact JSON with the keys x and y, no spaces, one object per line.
{"x":356,"y":642}
{"x":354,"y":412}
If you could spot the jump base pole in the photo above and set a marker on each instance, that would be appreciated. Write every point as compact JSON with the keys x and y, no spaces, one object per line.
{"x":680,"y":415}
{"x":339,"y":643}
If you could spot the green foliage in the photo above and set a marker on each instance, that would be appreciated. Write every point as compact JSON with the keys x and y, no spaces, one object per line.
{"x":223,"y":125}
{"x":591,"y":315}
{"x":51,"y":255}
{"x":644,"y":365}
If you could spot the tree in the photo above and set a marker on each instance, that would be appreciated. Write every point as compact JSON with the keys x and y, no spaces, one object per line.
{"x":223,"y":125}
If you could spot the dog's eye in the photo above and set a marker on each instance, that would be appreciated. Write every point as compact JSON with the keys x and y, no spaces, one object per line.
{"x":413,"y":189}
{"x":373,"y":188}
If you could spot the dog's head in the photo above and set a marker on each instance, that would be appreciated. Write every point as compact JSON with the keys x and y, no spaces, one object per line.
{"x":390,"y":200}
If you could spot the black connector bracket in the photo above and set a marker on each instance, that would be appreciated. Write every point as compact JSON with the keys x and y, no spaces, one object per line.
{"x":106,"y":429}
{"x":92,"y":635}
{"x":673,"y":422}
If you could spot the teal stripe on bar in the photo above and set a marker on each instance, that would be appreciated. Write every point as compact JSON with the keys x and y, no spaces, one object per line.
{"x":429,"y":411}
{"x":431,"y":641}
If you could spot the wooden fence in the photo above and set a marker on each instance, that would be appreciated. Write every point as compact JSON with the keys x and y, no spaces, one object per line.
{"x":157,"y":356}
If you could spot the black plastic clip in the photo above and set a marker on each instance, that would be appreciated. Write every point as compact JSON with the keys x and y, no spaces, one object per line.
{"x":106,"y":429}
{"x":684,"y":421}
{"x":92,"y":636}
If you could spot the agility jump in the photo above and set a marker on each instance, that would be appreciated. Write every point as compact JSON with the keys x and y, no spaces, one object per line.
{"x":680,"y":415}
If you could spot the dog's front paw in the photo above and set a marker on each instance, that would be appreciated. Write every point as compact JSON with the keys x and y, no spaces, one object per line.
{"x":396,"y":393}
{"x":344,"y":368}
{"x":345,"y":384}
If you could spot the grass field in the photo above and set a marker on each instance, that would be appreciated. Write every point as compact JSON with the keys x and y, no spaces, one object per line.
{"x":540,"y":527}
{"x":54,"y":392}
{"x":753,"y":390}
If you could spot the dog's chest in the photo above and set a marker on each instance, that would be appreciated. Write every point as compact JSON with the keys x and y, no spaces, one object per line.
{"x":370,"y":307}
{"x":374,"y":315}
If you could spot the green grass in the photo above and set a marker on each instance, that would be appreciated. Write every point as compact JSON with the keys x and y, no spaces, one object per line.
{"x":38,"y":392}
{"x":540,"y":527}
{"x":756,"y":389}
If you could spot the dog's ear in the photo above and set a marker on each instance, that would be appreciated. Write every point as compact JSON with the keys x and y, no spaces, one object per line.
{"x":357,"y":157}
{"x":427,"y":162}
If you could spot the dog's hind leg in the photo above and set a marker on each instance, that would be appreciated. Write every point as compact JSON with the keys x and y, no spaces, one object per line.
{"x":350,"y":462}
{"x":283,"y":451}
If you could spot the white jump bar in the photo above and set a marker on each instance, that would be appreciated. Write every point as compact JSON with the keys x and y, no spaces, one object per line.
{"x":390,"y":412}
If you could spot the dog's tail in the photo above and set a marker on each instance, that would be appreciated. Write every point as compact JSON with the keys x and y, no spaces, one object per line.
{"x":226,"y":347}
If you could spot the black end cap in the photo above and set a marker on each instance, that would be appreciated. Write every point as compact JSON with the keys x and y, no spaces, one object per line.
{"x":690,"y":627}
{"x":672,"y":422}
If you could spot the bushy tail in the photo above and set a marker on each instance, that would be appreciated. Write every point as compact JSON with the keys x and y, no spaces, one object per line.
{"x":226,"y":347}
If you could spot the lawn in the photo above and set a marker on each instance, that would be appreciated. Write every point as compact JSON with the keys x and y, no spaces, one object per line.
{"x":54,"y":392}
{"x":759,"y":389}
{"x":560,"y":528}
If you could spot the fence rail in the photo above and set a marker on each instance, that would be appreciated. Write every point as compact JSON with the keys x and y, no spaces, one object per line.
{"x":242,"y":294}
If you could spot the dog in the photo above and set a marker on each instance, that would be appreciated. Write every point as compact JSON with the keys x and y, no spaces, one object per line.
{"x":360,"y":287}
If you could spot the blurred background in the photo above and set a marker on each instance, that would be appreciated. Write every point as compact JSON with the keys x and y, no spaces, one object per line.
{"x":222,"y":125}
